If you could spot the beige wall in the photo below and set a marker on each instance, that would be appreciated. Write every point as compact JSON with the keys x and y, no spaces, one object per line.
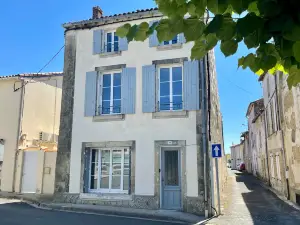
{"x":45,"y":172}
{"x":9,"y":118}
{"x":42,"y":103}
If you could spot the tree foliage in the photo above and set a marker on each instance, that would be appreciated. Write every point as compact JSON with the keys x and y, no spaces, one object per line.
{"x":270,"y":27}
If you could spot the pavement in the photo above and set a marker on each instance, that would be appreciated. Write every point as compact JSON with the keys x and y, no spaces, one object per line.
{"x":247,"y":202}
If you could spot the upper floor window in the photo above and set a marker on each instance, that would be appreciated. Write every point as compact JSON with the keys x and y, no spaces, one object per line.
{"x":112,"y":42}
{"x":111,"y":93}
{"x":170,"y":88}
{"x":171,"y":42}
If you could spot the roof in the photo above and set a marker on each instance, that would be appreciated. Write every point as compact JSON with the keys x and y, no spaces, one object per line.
{"x":258,"y":106}
{"x":116,"y":18}
{"x":24,"y":75}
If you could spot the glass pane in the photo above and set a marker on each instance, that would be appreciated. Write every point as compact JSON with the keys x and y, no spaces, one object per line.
{"x":176,"y":73}
{"x":106,"y":93}
{"x":94,"y":169}
{"x":164,"y":89}
{"x":116,"y":38}
{"x":175,"y":40}
{"x":177,"y":102}
{"x":108,"y":36}
{"x":109,"y":47}
{"x":117,"y":106}
{"x":164,"y":74}
{"x":105,"y":167}
{"x":166,"y":42}
{"x":126,"y":170}
{"x":164,"y":103}
{"x":116,"y":46}
{"x":171,"y":168}
{"x":117,"y":92}
{"x":105,"y":107}
{"x":117,"y":79}
{"x":177,"y":88}
{"x":116,"y":169}
{"x":106,"y":80}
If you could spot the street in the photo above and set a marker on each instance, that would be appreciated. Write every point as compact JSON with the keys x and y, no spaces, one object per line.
{"x":17,"y":213}
{"x":248,"y":203}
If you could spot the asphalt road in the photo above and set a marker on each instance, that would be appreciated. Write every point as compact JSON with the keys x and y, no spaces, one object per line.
{"x":18,"y":213}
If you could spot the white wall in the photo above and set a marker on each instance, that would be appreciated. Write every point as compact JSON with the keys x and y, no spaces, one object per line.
{"x":140,"y":126}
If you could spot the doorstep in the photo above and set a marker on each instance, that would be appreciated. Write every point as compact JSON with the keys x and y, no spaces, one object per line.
{"x":168,"y":215}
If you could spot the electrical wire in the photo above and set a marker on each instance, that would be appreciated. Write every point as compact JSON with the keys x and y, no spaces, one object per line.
{"x":42,"y":68}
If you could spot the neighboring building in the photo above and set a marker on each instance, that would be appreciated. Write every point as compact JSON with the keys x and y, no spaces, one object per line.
{"x":247,"y":152}
{"x":29,"y":120}
{"x":132,"y":132}
{"x":237,"y":155}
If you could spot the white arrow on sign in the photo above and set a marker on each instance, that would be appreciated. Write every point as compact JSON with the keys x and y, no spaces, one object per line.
{"x":216,"y":149}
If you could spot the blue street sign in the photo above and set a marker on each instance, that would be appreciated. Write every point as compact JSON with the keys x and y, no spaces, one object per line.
{"x":216,"y":150}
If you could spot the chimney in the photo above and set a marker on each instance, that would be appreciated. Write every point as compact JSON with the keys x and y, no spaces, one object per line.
{"x":97,"y":12}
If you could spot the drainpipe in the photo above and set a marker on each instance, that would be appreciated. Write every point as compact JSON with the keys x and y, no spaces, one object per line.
{"x":266,"y":146}
{"x":203,"y":70}
{"x":21,"y":106}
{"x":279,"y":116}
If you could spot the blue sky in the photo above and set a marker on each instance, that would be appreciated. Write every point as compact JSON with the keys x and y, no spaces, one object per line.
{"x":32,"y":33}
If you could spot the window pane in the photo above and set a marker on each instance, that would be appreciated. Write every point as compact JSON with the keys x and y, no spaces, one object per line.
{"x":117,"y":79}
{"x":116,"y":46}
{"x":108,"y":36}
{"x":116,"y":38}
{"x":176,"y":73}
{"x":105,"y":167}
{"x":175,"y":40}
{"x":106,"y":93}
{"x":164,"y":103}
{"x":94,"y":169}
{"x":105,"y":107}
{"x":177,"y":88}
{"x":116,"y":169}
{"x":171,"y":168}
{"x":117,"y":106}
{"x":109,"y":47}
{"x":166,"y":42}
{"x":177,"y":102}
{"x":165,"y":89}
{"x":126,"y":170}
{"x":117,"y":92}
{"x":106,"y":80}
{"x":164,"y":74}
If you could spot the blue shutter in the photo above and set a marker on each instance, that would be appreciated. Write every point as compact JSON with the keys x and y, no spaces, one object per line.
{"x":128,"y":90}
{"x":97,"y":41}
{"x":153,"y":40}
{"x":86,"y":172}
{"x":90,"y":94}
{"x":123,"y":44}
{"x":148,"y":88}
{"x":191,"y":85}
{"x":181,"y":38}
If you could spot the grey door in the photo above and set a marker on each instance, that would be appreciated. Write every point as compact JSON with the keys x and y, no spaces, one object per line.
{"x":170,"y":179}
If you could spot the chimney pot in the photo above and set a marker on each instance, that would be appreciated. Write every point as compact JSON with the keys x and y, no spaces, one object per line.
{"x":97,"y":12}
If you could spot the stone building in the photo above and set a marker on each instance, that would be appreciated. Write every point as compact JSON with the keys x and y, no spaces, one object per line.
{"x":237,"y":155}
{"x":135,"y":128}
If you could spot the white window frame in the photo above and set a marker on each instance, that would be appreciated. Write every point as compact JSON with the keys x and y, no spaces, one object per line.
{"x":113,"y":34}
{"x":278,"y":166}
{"x":109,"y":190}
{"x":100,"y":91}
{"x":169,"y":66}
{"x":170,"y":42}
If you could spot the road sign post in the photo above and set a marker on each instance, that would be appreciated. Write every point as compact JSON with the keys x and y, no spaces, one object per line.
{"x":217,"y":153}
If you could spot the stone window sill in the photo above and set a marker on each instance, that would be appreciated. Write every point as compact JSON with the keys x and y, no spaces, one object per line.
{"x":102,"y":196}
{"x":169,"y":47}
{"x":110,"y":54}
{"x":107,"y":118}
{"x":170,"y":114}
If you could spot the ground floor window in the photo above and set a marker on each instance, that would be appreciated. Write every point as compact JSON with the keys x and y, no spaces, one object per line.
{"x":109,"y":170}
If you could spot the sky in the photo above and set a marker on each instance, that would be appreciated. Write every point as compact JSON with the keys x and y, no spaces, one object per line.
{"x":31,"y":34}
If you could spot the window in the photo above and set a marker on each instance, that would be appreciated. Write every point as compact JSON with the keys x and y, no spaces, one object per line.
{"x":170,"y":88}
{"x":111,"y":93}
{"x":172,"y":42}
{"x":109,"y":170}
{"x":112,"y":42}
{"x":272,"y":166}
{"x":272,"y":118}
{"x":278,"y":167}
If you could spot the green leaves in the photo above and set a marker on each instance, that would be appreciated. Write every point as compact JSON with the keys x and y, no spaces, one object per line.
{"x":296,"y":51}
{"x":193,"y":29}
{"x":293,"y":34}
{"x":227,"y":29}
{"x":229,"y":47}
{"x":164,"y":31}
{"x":249,"y":24}
{"x":294,"y":76}
{"x":198,"y":50}
{"x":123,"y":31}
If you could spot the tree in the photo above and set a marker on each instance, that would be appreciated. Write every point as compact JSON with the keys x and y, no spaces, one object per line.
{"x":270,"y":27}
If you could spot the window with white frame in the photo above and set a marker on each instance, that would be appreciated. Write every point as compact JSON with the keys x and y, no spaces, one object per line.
{"x":110,"y":93}
{"x":278,"y":167}
{"x":111,"y":42}
{"x":272,"y":166}
{"x":171,"y":42}
{"x":170,"y":88}
{"x":109,"y":170}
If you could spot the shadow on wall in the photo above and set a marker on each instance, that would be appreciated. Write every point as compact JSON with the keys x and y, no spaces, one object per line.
{"x":264,"y":206}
